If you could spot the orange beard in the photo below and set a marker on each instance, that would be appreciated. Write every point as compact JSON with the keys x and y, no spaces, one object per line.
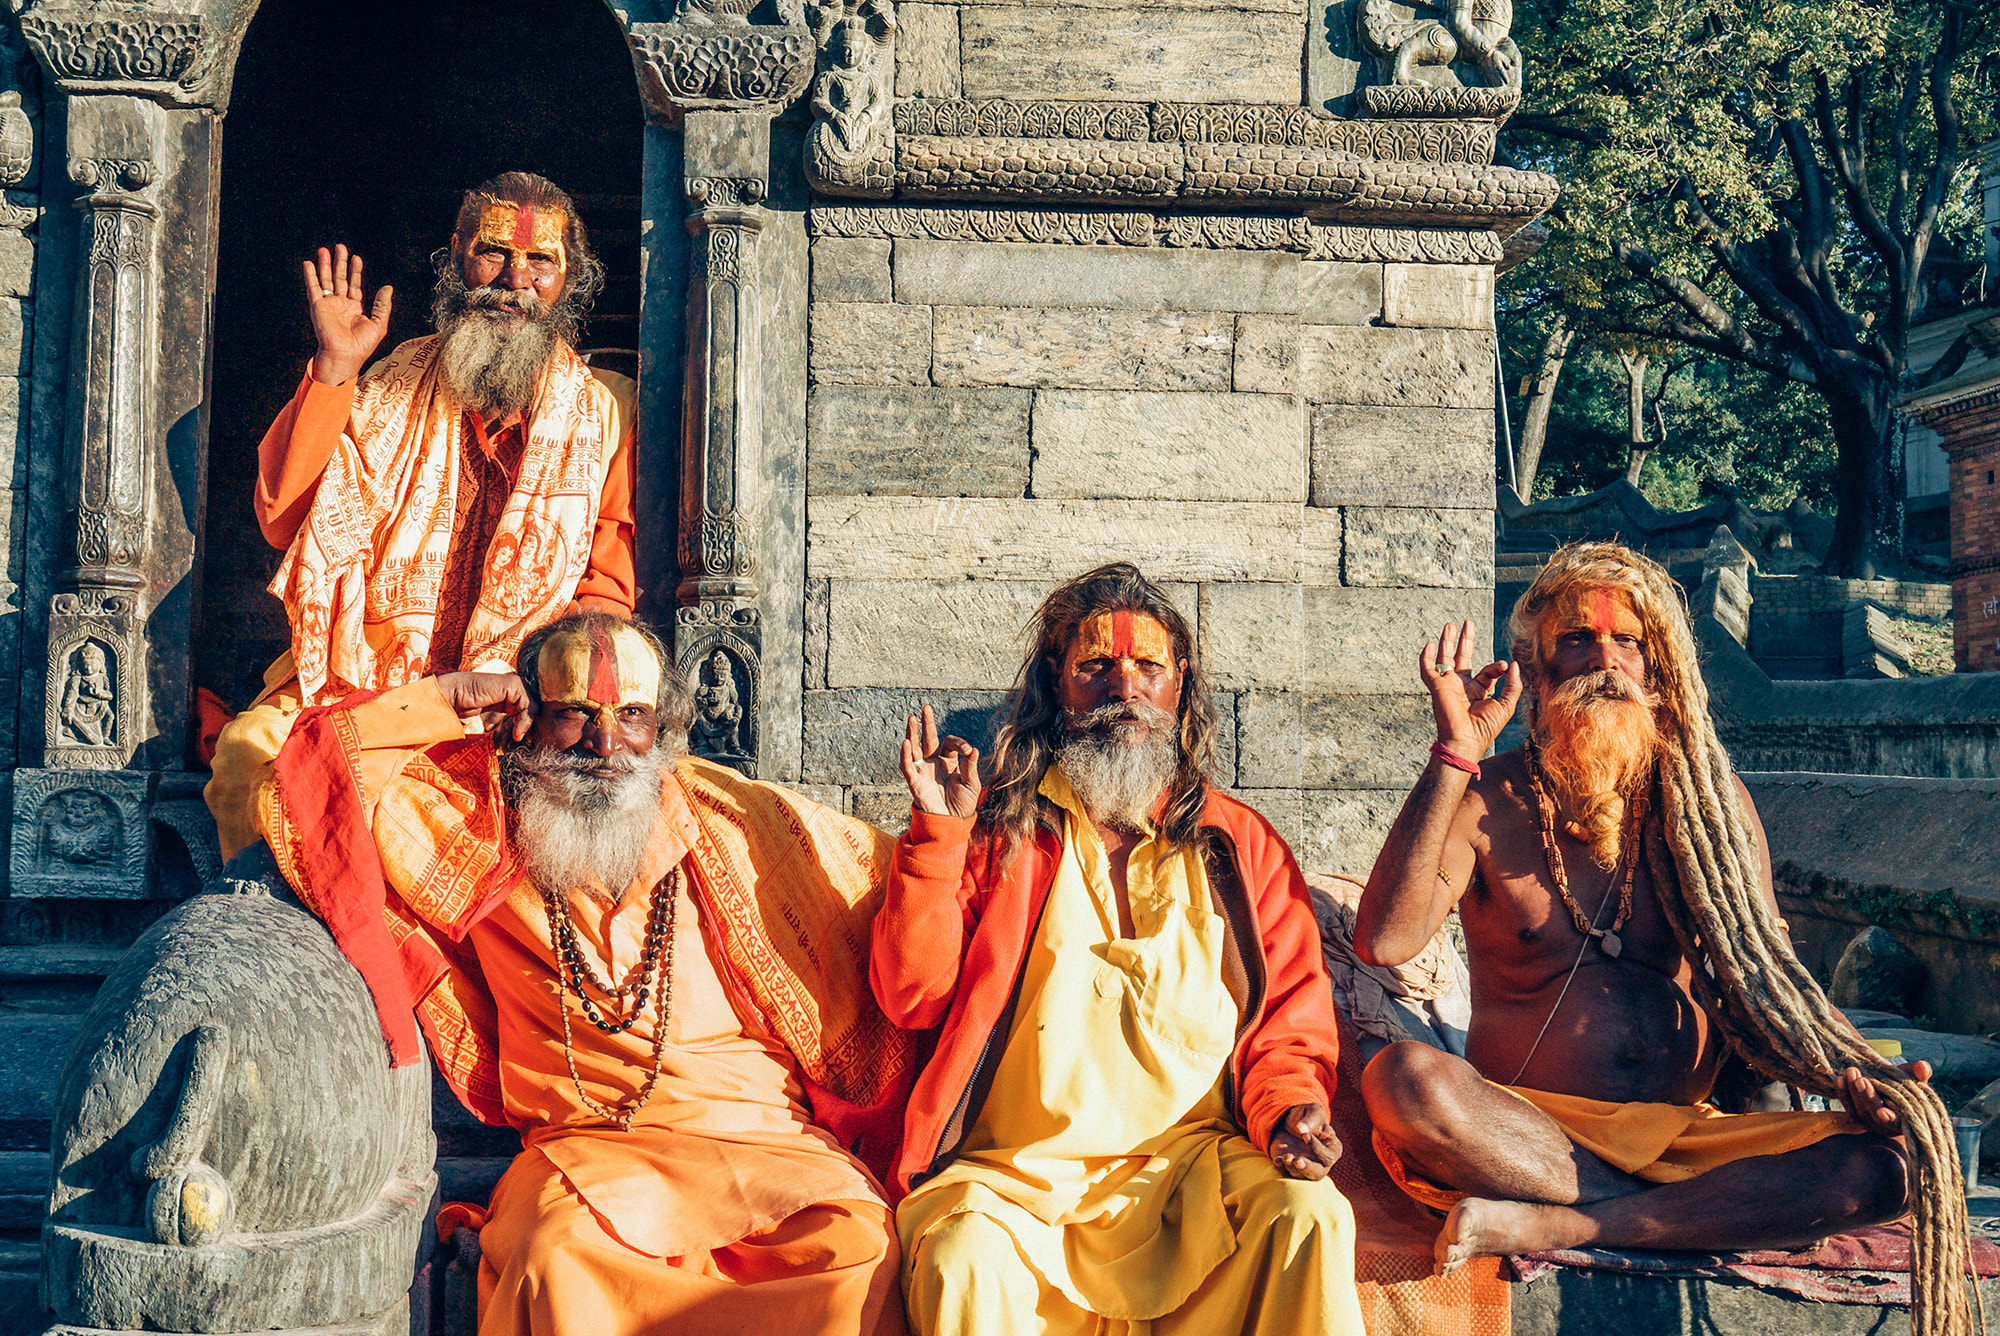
{"x":1599,"y":737}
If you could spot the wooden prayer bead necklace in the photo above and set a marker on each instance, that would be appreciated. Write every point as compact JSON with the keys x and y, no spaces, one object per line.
{"x":1545,"y":811}
{"x":654,"y":971}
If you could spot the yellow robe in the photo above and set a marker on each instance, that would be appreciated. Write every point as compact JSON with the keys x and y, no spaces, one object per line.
{"x":1102,"y":1187}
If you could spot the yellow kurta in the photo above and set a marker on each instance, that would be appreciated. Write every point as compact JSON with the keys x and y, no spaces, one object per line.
{"x":1102,"y":1186}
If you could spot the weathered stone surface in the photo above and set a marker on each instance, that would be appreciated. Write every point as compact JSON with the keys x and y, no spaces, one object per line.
{"x":1438,"y":296}
{"x":1341,"y":830}
{"x":883,"y":806}
{"x":168,"y":1187}
{"x":1267,"y":354}
{"x":1985,"y":1106}
{"x":916,"y":441}
{"x":851,"y":269}
{"x":965,"y":273}
{"x":1322,"y":546}
{"x":1342,"y":293}
{"x":1419,"y":546}
{"x":1186,"y":447}
{"x":870,"y":343}
{"x":1283,"y":808}
{"x":1086,"y":350}
{"x":17,"y":264}
{"x":927,"y":51}
{"x":1366,"y":365}
{"x":826,"y":795}
{"x":863,"y":538}
{"x":1878,"y":971}
{"x":974,"y":633}
{"x":1367,"y":455}
{"x":17,"y":322}
{"x":1194,"y":56}
{"x":969,"y":631}
{"x":853,"y":736}
{"x":1363,"y":641}
{"x":1963,"y":1059}
{"x":819,"y":598}
{"x":1324,"y":740}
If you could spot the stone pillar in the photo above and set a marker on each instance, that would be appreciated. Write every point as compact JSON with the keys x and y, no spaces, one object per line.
{"x":721,"y":82}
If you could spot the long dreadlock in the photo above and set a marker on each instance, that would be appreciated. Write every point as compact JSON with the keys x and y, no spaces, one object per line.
{"x":1705,"y":863}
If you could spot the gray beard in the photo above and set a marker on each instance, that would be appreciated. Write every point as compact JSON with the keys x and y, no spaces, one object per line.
{"x":1116,"y":770}
{"x":577,"y":831}
{"x":492,"y":368}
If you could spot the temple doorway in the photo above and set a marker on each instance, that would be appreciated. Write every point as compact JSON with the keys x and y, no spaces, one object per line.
{"x":363,"y":121}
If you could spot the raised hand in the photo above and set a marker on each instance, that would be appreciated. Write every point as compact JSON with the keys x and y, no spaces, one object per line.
{"x":1303,"y":1144}
{"x":943,"y":776}
{"x":1469,"y":716}
{"x":495,"y":698}
{"x":348,"y":335}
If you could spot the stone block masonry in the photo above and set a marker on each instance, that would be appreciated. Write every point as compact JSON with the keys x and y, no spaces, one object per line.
{"x":1301,"y":450}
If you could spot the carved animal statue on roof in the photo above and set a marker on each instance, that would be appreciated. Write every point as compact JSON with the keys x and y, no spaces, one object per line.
{"x":1472,"y":30}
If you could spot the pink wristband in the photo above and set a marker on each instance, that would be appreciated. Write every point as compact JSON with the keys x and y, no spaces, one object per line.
{"x":1454,"y":760}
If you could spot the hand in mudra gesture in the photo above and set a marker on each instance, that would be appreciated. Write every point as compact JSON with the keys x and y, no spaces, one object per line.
{"x":1469,"y":716}
{"x":348,"y":334}
{"x":943,"y":776}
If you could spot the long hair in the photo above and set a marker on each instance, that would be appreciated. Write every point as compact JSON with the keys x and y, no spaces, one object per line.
{"x":585,"y":277}
{"x":1026,"y":743}
{"x":1706,"y":866}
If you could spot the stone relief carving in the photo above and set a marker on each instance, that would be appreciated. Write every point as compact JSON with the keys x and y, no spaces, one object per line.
{"x":1054,"y":168}
{"x":80,"y":834}
{"x":995,"y":118}
{"x":17,"y":140}
{"x":1425,"y":100}
{"x":92,"y":692}
{"x":88,"y":715}
{"x":718,"y":709}
{"x":1230,"y":231}
{"x":719,"y":65}
{"x":1475,"y":31}
{"x":721,"y":663}
{"x":90,"y":44}
{"x":848,"y":148}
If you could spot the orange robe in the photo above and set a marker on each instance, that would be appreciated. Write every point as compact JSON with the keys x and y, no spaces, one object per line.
{"x":725,"y":1207}
{"x":465,"y":553}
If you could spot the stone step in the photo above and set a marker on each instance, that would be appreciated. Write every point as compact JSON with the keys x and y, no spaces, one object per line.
{"x":33,"y":1045}
{"x":21,"y":1311}
{"x":24,"y":1190}
{"x":1590,"y":1303}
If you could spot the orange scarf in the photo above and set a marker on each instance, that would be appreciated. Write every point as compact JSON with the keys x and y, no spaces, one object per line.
{"x":362,"y":578}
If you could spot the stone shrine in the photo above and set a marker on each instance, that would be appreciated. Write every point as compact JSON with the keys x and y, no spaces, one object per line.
{"x":931,"y":305}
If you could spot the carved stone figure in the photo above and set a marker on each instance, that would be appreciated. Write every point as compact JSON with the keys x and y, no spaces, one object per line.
{"x":81,"y":830}
{"x":227,"y":1087}
{"x":718,"y":713}
{"x":89,"y":703}
{"x":17,"y":140}
{"x":852,"y":104}
{"x":1475,"y":31}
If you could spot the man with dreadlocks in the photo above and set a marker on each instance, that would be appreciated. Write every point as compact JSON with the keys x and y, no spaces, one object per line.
{"x":472,"y":486}
{"x":651,"y":967}
{"x":1623,"y":937}
{"x":1125,"y":1121}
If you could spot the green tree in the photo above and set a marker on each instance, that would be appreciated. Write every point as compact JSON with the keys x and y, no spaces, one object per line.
{"x":1759,"y":183}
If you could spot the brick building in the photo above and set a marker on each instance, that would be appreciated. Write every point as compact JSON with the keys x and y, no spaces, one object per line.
{"x":1965,"y":413}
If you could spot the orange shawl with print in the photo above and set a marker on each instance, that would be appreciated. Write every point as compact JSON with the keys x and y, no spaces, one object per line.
{"x":787,"y":891}
{"x":362,"y":577}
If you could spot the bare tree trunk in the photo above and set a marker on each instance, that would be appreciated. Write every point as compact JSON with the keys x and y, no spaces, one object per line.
{"x":1541,"y":398}
{"x":1637,"y":446}
{"x":1868,"y":527}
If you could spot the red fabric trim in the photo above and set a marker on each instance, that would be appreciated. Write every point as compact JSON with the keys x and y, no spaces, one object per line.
{"x":321,"y":793}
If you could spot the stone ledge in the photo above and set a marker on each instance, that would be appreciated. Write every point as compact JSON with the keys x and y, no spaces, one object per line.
{"x":1571,"y":1301}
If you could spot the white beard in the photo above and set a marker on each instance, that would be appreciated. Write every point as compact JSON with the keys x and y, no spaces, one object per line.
{"x":489,"y":365}
{"x":577,"y":831}
{"x":1117,"y":769}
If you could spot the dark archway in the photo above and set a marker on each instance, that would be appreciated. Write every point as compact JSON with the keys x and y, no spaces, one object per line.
{"x":363,"y":121}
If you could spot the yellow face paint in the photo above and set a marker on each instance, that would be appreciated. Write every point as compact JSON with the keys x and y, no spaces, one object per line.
{"x":1595,"y":609}
{"x":523,"y":232}
{"x":600,"y":669}
{"x":1122,"y":634}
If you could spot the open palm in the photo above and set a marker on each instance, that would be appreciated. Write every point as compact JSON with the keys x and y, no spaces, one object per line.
{"x":348,"y":333}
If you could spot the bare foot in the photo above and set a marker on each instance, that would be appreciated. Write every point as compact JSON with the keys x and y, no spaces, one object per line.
{"x":1478,"y":1227}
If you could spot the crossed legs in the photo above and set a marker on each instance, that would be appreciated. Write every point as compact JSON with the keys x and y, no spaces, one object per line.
{"x":1530,"y":1189}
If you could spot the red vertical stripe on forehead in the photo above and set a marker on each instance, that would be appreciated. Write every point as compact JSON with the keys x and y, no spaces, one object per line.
{"x":1121,"y":633}
{"x":524,"y":228}
{"x":603,"y":666}
{"x":1604,"y":609}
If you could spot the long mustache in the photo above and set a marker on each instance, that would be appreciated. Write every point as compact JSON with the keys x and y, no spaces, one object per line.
{"x":1106,"y":717}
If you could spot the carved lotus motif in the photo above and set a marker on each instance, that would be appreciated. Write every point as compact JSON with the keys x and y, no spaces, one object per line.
{"x":17,"y":140}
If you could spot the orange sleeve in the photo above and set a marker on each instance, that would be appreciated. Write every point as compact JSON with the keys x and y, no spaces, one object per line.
{"x":294,"y":454}
{"x":610,"y":585}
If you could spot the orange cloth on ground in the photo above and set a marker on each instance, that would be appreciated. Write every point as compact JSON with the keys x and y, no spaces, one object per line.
{"x":1659,"y":1143}
{"x":363,"y":571}
{"x":724,"y":1178}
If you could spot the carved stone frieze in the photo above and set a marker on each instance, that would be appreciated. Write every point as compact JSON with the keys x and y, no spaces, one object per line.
{"x":17,"y":140}
{"x":80,"y":834}
{"x":112,"y":173}
{"x":1474,"y":32}
{"x":995,"y":118}
{"x":1052,"y":168}
{"x":93,"y":707}
{"x":92,"y":45}
{"x":1429,"y":102}
{"x":717,"y":648}
{"x":849,"y":148}
{"x":1340,"y":184}
{"x":19,"y":213}
{"x":741,"y":66}
{"x":1220,"y":231}
{"x":1444,"y":140}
